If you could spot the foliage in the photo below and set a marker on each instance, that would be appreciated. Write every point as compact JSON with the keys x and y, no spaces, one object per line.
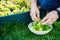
{"x":9,"y":7}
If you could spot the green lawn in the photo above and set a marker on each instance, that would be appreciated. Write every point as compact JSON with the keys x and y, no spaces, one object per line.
{"x":20,"y":31}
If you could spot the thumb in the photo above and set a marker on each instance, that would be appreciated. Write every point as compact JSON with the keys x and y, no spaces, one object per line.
{"x":38,"y":14}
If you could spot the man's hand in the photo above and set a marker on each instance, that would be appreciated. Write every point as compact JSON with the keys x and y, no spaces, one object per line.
{"x":50,"y":18}
{"x":34,"y":13}
{"x":34,"y":10}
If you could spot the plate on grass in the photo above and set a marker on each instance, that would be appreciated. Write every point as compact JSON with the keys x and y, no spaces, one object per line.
{"x":39,"y":32}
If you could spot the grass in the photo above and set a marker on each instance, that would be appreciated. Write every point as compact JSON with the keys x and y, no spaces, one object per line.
{"x":20,"y":31}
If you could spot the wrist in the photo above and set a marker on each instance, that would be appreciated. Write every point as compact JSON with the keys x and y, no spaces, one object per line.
{"x":58,"y":12}
{"x":34,"y":6}
{"x":58,"y":8}
{"x":33,"y":3}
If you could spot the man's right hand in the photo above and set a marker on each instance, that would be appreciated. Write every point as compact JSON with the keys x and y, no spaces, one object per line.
{"x":35,"y":13}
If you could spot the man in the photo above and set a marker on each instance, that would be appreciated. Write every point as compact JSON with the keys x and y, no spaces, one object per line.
{"x":53,"y":6}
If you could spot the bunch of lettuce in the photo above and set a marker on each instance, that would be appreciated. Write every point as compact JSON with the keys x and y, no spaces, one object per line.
{"x":39,"y":27}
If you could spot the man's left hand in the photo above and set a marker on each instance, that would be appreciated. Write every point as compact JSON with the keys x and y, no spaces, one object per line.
{"x":50,"y":18}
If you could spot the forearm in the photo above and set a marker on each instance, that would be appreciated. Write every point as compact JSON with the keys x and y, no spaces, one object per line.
{"x":58,"y":8}
{"x":33,"y":3}
{"x":59,"y":11}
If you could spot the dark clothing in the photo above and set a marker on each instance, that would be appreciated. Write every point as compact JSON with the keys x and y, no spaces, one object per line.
{"x":49,"y":4}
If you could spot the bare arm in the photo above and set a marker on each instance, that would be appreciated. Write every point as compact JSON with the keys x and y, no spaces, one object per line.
{"x":34,"y":10}
{"x":33,"y":3}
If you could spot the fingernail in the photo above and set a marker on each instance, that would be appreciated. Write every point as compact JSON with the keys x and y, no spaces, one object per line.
{"x":42,"y":23}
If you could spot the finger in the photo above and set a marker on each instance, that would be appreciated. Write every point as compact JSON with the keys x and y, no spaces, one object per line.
{"x":38,"y":15}
{"x":47,"y":22}
{"x":51,"y":22}
{"x":45,"y":18}
{"x":33,"y":17}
